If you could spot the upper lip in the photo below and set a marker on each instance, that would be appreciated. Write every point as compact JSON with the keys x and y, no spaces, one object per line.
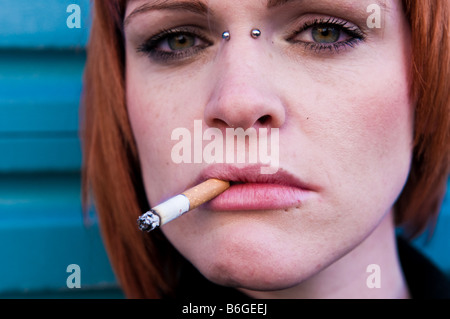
{"x":251,"y":174}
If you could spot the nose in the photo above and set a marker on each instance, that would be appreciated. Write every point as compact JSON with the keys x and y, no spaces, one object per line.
{"x":243,"y":93}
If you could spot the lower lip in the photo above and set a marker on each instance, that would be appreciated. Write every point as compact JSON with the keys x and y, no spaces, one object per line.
{"x":253,"y":196}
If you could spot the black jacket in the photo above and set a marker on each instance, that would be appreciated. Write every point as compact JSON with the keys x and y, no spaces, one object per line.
{"x":424,"y":279}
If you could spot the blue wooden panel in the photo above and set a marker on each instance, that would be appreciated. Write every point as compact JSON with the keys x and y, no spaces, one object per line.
{"x":41,"y":24}
{"x":40,"y":153}
{"x":42,"y":231}
{"x":40,"y":90}
{"x":39,"y":107}
{"x":33,"y":118}
{"x":36,"y":258}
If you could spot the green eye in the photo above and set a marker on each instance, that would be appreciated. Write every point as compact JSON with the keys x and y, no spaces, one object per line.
{"x":325,"y":34}
{"x":180,"y":42}
{"x":175,"y":44}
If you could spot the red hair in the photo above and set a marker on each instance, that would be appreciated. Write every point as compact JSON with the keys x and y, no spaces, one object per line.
{"x":145,"y":264}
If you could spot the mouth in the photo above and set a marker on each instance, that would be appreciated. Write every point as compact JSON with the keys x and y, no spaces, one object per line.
{"x":251,"y":190}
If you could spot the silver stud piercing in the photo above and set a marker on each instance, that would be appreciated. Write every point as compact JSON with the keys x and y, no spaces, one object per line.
{"x":255,"y":33}
{"x":226,"y":35}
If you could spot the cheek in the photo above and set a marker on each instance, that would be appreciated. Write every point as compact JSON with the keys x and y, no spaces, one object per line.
{"x":157,"y":106}
{"x":149,"y":113}
{"x":383,"y":121}
{"x":353,"y":126}
{"x":379,"y":122}
{"x":368,"y":138}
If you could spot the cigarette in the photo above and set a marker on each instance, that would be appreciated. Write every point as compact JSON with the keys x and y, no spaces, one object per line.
{"x":180,"y":204}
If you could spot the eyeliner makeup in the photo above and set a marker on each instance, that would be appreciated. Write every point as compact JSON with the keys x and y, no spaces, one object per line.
{"x":180,"y":204}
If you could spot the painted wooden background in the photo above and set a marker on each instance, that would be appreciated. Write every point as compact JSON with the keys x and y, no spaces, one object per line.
{"x":42,"y":229}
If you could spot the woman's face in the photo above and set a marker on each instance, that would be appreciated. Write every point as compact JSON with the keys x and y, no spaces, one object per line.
{"x":335,"y":90}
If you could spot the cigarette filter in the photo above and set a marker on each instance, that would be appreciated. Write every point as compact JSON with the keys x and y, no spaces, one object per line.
{"x":181,"y":204}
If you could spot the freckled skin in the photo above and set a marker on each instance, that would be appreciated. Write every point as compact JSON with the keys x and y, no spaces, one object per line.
{"x":345,"y":121}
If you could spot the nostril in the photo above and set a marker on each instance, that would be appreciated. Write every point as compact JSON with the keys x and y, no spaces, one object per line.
{"x":264,"y":119}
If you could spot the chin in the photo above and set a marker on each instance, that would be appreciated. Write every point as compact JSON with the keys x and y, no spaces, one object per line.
{"x":255,"y":262}
{"x":255,"y":274}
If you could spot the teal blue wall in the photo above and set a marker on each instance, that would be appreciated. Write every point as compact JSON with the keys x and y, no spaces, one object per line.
{"x":42,"y":229}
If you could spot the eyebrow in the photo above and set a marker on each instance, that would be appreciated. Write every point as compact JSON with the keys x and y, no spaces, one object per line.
{"x":196,"y":6}
{"x":277,"y":3}
{"x":200,"y":7}
{"x":193,"y":6}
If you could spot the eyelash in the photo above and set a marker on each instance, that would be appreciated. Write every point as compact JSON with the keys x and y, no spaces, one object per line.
{"x":355,"y":34}
{"x":149,"y":47}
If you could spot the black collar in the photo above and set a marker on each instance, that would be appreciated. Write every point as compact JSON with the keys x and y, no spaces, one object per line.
{"x":424,"y":279}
